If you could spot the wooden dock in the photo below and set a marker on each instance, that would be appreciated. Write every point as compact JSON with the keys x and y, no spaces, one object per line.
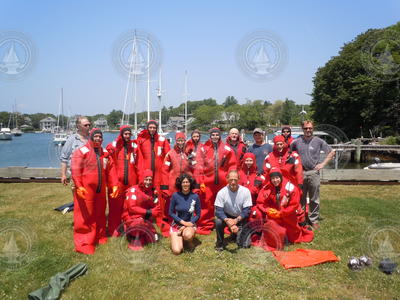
{"x":330,"y":176}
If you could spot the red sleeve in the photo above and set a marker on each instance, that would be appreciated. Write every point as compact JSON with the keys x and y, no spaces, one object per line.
{"x":111,"y":172}
{"x":261,"y":203}
{"x":165,"y":169}
{"x":267,"y":165}
{"x":156,"y":211}
{"x":294,"y":199}
{"x":198,"y":167}
{"x":298,"y":169}
{"x":232,"y":162}
{"x":133,"y":205}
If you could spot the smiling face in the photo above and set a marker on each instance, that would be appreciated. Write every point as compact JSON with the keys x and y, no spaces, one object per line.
{"x":152,"y":129}
{"x":258,"y":138}
{"x":215,"y":137}
{"x":180,"y":142}
{"x":234,"y":135}
{"x":276,"y":180}
{"x":233,"y":179}
{"x":279,"y":146}
{"x":148,"y":181}
{"x":127,"y":136}
{"x":98,"y":138}
{"x":286,"y":132}
{"x":308,"y":129}
{"x":249,"y":162}
{"x":185,"y":185}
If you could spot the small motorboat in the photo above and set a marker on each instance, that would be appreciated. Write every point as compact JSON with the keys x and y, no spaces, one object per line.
{"x":383,"y":166}
{"x":5,"y":134}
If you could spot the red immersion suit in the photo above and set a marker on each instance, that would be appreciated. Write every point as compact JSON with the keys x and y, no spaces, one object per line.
{"x":90,"y":170}
{"x":141,"y":208}
{"x":214,"y":163}
{"x":176,"y":162}
{"x":239,"y":150}
{"x":285,"y":199}
{"x":288,"y":161}
{"x":151,"y":153}
{"x":122,"y":155}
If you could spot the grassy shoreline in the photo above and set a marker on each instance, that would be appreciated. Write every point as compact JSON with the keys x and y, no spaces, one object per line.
{"x":353,"y":216}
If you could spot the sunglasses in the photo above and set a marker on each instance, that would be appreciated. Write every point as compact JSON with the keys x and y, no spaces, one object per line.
{"x":87,"y":125}
{"x":286,"y":131}
{"x":308,"y":128}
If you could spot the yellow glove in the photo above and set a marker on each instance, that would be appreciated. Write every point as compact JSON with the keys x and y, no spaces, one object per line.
{"x":273,"y":213}
{"x":81,"y":191}
{"x":115,"y":192}
{"x":203,"y":188}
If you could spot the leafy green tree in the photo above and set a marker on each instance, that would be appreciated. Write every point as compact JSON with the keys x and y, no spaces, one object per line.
{"x":346,"y":94}
{"x":229,"y":101}
{"x":114,"y":118}
{"x":288,"y":111}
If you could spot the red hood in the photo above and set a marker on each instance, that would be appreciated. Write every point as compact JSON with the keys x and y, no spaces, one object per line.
{"x":144,"y":134}
{"x":228,"y":140}
{"x":209,"y":143}
{"x":244,"y":167}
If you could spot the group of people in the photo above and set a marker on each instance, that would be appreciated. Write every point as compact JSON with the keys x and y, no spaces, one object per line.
{"x":193,"y":188}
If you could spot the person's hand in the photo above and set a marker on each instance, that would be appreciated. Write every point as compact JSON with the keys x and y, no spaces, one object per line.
{"x":115,"y":192}
{"x":187,"y":224}
{"x":203,"y":188}
{"x":230,"y":222}
{"x":234,"y":229}
{"x":181,"y":230}
{"x":64,"y":180}
{"x":82,"y":192}
{"x":273,"y":213}
{"x":319,"y":167}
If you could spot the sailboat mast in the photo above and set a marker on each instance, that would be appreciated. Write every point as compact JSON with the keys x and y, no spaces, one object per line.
{"x":15,"y":113}
{"x":159,"y":94}
{"x":148,"y":80}
{"x":186,"y":100}
{"x":62,"y":108}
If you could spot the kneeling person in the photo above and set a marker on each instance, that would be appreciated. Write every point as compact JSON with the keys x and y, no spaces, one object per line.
{"x":185,"y":211}
{"x":232,"y":208}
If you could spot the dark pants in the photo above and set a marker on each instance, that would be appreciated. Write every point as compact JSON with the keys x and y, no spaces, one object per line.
{"x":220,"y":226}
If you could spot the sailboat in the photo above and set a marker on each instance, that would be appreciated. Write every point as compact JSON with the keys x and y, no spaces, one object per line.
{"x":5,"y":133}
{"x":16,"y":131}
{"x":60,"y":136}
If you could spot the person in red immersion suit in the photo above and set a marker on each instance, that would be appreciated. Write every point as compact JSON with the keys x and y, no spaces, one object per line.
{"x":215,"y":160}
{"x":151,"y":151}
{"x":91,"y":175}
{"x":249,"y":177}
{"x":285,"y":159}
{"x":286,"y":132}
{"x":176,"y":163}
{"x":192,"y":147}
{"x":279,"y":201}
{"x":141,"y":207}
{"x":122,"y":155}
{"x":235,"y":142}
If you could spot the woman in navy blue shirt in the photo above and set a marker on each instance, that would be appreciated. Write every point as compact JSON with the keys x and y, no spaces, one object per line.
{"x":185,"y":210}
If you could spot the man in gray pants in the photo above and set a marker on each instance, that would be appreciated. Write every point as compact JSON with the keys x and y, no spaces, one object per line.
{"x":309,"y":148}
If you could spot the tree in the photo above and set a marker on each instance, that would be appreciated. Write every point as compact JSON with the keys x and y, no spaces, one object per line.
{"x":348,"y":95}
{"x":229,"y":101}
{"x":288,"y":111}
{"x":114,"y":118}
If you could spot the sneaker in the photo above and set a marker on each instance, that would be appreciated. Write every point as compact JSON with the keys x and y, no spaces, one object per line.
{"x":219,"y":248}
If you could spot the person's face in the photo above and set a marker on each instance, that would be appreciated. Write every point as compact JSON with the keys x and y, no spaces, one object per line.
{"x":152,"y":129}
{"x":127,"y":136}
{"x":285,"y":132}
{"x":180,"y":143}
{"x":308,"y":129}
{"x":279,"y":146}
{"x":185,"y":186}
{"x":84,"y":127}
{"x":233,"y":180}
{"x":196,"y":137}
{"x":215,"y":137}
{"x":148,"y":181}
{"x":258,"y":138}
{"x":249,"y":162}
{"x":276,"y":180}
{"x":98,"y":138}
{"x":234,"y":135}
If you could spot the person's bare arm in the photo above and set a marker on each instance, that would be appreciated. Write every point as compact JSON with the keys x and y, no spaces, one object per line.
{"x":326,"y":160}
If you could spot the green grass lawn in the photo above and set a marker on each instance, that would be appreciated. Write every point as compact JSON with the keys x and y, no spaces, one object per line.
{"x":357,"y":220}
